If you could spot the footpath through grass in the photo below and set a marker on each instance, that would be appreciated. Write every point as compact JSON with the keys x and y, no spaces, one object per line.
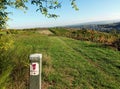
{"x":67,"y":63}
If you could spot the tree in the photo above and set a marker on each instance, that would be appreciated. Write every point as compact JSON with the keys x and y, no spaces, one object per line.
{"x":43,"y":6}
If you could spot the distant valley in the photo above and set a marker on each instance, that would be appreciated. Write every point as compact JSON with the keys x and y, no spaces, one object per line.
{"x":106,"y":26}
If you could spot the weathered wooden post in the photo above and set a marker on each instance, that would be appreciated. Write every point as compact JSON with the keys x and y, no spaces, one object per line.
{"x":35,"y":71}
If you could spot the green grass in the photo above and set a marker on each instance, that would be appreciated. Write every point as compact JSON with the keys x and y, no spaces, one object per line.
{"x":67,"y":63}
{"x":2,"y":32}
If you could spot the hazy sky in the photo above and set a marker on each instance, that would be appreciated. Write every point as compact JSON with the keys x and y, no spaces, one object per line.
{"x":90,"y":10}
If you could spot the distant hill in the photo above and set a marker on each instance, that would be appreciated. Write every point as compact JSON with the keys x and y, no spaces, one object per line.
{"x":101,"y":25}
{"x":113,"y":26}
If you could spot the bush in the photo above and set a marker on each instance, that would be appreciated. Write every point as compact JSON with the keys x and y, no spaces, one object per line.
{"x":6,"y":42}
{"x":116,"y":44}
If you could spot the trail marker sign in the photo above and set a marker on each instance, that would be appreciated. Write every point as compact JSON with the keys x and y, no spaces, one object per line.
{"x":35,"y":71}
{"x":34,"y":68}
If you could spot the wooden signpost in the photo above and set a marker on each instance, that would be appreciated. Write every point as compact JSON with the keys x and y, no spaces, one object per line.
{"x":35,"y":71}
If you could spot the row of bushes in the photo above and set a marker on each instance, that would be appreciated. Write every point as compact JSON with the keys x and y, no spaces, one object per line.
{"x":88,"y":35}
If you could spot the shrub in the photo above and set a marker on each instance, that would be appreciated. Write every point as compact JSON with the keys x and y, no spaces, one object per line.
{"x":6,"y":42}
{"x":116,"y":44}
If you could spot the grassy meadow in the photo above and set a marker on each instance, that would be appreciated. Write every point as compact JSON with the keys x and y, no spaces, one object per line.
{"x":66,"y":64}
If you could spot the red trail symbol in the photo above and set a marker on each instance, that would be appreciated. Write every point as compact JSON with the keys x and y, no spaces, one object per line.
{"x":34,"y":66}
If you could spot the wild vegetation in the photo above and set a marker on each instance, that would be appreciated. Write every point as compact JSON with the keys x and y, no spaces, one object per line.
{"x":67,"y":63}
{"x":108,"y":39}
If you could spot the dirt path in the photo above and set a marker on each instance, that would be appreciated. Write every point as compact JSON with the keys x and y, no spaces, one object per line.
{"x":46,"y":32}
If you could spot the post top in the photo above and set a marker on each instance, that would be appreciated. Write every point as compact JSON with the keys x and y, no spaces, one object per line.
{"x":36,"y":55}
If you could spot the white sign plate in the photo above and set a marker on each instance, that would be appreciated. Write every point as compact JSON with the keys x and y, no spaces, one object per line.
{"x":34,"y":68}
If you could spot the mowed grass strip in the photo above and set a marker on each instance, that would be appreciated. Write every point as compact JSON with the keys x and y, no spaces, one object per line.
{"x":105,"y":60}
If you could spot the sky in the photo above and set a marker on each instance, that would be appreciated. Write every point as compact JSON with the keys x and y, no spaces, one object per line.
{"x":89,"y":11}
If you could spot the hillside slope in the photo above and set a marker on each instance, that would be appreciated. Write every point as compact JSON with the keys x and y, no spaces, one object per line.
{"x":67,"y":63}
